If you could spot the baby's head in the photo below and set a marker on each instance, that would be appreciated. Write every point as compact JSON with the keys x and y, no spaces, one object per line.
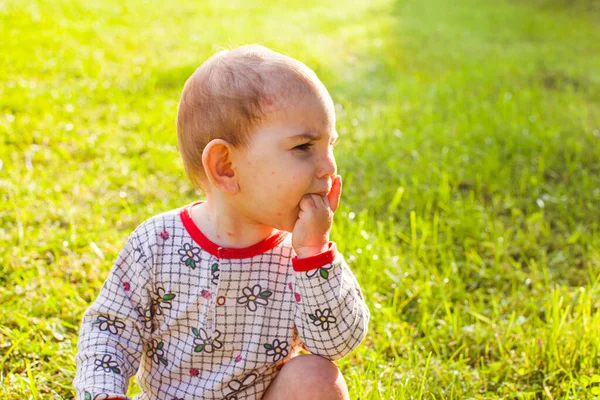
{"x":255,"y":129}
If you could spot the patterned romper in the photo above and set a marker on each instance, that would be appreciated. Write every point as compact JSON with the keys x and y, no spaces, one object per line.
{"x":195,"y":320}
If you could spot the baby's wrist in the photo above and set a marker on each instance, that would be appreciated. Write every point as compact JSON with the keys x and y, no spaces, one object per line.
{"x":309,"y":251}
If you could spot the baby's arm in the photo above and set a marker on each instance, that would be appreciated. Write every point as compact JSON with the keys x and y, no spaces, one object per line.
{"x":110,"y":337}
{"x":331,"y":315}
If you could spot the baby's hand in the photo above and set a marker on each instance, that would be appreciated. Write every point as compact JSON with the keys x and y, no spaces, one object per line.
{"x":311,"y":231}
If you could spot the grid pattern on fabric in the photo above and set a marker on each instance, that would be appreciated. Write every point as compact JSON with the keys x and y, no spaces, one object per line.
{"x":332,"y":320}
{"x":192,"y":325}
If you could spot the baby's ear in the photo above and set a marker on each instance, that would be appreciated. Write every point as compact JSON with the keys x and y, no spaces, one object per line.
{"x":216,"y":159}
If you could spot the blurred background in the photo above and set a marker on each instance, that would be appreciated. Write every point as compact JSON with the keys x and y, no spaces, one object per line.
{"x":469,"y":146}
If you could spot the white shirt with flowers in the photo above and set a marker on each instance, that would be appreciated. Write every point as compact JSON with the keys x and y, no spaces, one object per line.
{"x":195,"y":320}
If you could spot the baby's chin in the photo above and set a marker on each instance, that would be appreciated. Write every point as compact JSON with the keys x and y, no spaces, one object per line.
{"x":284,"y":225}
{"x":285,"y":222}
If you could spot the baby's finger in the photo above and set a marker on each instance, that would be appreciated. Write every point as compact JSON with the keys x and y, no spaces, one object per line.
{"x":320,"y":201}
{"x":335,"y":193}
{"x":307,"y":202}
{"x":325,"y":200}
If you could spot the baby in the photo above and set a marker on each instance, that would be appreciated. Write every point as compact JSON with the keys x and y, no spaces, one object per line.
{"x":215,"y":300}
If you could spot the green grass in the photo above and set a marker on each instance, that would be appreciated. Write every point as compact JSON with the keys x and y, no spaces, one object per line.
{"x":470,"y":151}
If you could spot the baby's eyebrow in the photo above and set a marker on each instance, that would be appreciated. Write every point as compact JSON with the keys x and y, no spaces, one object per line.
{"x":311,"y":135}
{"x":308,"y":135}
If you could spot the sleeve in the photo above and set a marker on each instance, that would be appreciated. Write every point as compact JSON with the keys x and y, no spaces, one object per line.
{"x":111,"y":334}
{"x":330,"y":312}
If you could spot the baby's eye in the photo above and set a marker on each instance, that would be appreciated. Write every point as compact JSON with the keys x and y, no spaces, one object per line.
{"x":304,"y":147}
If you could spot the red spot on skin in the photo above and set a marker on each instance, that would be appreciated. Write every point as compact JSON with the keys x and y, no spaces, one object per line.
{"x":269,"y":101}
{"x":194,"y":372}
{"x":229,"y":234}
{"x":273,"y":173}
{"x":279,"y":214}
{"x":297,"y":296}
{"x":238,"y":358}
{"x":218,"y":236}
{"x":126,"y":286}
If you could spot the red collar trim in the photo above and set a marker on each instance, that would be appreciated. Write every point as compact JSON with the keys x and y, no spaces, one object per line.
{"x":223,"y":252}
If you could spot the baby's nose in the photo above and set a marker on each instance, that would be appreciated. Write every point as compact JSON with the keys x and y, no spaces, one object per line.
{"x":328,"y":166}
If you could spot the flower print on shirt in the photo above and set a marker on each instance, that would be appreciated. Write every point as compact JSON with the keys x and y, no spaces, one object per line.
{"x":137,"y":251}
{"x":156,"y":352}
{"x":204,"y":343}
{"x":252,"y":297}
{"x":322,"y":318}
{"x":238,"y":386}
{"x":107,"y":364}
{"x":105,"y":323}
{"x":146,"y":316}
{"x":190,"y":255}
{"x":277,"y":349}
{"x":100,"y":396}
{"x":214,"y":270}
{"x":162,"y":301}
{"x":323,"y":272}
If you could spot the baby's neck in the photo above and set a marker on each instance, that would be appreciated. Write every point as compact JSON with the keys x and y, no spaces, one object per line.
{"x":227,"y":228}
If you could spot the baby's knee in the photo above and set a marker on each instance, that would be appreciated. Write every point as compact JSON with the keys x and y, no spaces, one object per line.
{"x":315,"y":377}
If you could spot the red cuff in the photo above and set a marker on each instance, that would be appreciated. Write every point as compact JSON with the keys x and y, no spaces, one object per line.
{"x":316,"y":261}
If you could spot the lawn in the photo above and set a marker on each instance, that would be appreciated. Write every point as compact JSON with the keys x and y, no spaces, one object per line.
{"x":470,"y":152}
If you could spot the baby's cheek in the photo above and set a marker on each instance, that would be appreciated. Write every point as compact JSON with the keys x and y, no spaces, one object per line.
{"x":286,"y":198}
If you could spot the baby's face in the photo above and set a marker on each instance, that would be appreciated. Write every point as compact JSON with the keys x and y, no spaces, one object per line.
{"x":290,"y":155}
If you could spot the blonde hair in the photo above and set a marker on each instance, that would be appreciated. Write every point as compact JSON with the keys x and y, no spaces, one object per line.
{"x":230,"y":94}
